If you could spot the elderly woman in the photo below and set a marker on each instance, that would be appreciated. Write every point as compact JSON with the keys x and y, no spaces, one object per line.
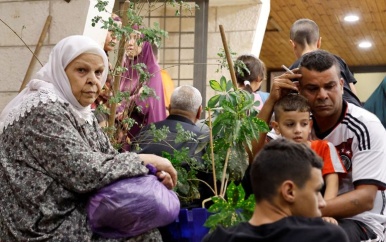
{"x":53,"y":154}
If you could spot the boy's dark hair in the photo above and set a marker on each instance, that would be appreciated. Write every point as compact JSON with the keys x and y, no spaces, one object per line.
{"x":278,"y":161}
{"x":304,"y":31}
{"x":256,"y":69}
{"x":291,"y":102}
{"x":319,"y":60}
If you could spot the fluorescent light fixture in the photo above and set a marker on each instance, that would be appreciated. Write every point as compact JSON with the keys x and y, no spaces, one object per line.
{"x":365,"y":44}
{"x":351,"y":18}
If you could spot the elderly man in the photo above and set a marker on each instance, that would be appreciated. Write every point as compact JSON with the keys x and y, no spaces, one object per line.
{"x":288,"y":199}
{"x":185,"y":109}
{"x":358,"y":136}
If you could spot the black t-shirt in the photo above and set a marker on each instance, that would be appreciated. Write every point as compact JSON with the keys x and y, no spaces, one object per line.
{"x":288,"y":229}
{"x":347,"y":76}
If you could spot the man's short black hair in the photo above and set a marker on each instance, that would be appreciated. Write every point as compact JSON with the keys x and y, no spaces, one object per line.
{"x":319,"y":60}
{"x":278,"y":161}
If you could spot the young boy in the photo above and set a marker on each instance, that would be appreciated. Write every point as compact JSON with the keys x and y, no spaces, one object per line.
{"x":292,"y":121}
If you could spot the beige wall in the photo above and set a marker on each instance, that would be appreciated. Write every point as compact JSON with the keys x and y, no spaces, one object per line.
{"x":74,"y":18}
{"x":367,"y":82}
{"x":240,"y":23}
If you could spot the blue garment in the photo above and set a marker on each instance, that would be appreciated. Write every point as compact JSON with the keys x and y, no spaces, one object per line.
{"x":376,"y":103}
{"x":264,"y":95}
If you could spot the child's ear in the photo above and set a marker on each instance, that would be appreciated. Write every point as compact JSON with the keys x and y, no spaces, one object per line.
{"x":311,"y":123}
{"x":275,"y":126}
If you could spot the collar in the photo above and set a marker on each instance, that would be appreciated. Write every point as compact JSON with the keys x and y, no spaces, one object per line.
{"x":322,"y":135}
{"x":180,"y":118}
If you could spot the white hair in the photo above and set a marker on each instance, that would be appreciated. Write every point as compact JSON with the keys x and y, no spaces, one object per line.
{"x":187,"y":98}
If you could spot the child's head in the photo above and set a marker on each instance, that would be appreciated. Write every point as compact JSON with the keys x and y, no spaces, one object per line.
{"x":292,"y":118}
{"x":250,"y":80}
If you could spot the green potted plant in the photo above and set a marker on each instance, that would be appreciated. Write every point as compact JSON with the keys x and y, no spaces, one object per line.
{"x":231,"y":119}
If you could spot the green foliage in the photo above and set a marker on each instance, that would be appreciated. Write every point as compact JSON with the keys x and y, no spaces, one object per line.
{"x":235,"y":123}
{"x":233,"y":210}
{"x":240,"y":67}
{"x":155,"y":34}
{"x":223,"y":61}
{"x":186,"y":165}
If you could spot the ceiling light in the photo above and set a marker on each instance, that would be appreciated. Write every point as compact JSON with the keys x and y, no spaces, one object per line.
{"x":351,"y":18}
{"x":365,"y":44}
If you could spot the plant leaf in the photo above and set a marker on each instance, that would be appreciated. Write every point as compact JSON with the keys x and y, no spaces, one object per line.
{"x":213,"y":101}
{"x":223,"y":83}
{"x":215,"y":85}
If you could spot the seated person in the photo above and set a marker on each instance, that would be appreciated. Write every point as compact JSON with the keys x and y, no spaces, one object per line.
{"x":185,"y":109}
{"x":54,"y":155}
{"x":358,"y":136}
{"x":288,"y":199}
{"x":292,"y":121}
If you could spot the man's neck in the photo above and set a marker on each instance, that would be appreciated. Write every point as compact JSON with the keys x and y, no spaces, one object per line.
{"x":306,"y":49}
{"x":183,"y":113}
{"x":267,"y":213}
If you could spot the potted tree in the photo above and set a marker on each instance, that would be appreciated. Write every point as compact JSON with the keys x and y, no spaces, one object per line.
{"x":232,"y":123}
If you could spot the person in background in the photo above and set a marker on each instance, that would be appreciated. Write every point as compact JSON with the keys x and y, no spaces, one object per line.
{"x":252,"y":79}
{"x":106,"y":92}
{"x":54,"y":155}
{"x":376,"y":103}
{"x":185,"y":110}
{"x":357,"y":134}
{"x":167,"y":81}
{"x":152,"y":109}
{"x":288,"y":199}
{"x":304,"y":37}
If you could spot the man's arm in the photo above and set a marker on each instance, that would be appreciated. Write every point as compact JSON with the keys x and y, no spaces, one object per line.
{"x":332,"y":186}
{"x":352,"y":203}
{"x":264,"y":114}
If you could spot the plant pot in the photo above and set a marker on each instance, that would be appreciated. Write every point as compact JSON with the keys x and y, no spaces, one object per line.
{"x":189,"y":226}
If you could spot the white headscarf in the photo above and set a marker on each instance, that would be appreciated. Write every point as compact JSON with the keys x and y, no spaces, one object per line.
{"x":52,"y":78}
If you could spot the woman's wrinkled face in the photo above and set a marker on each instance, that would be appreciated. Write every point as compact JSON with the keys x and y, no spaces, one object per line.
{"x":132,"y":48}
{"x":85,"y":76}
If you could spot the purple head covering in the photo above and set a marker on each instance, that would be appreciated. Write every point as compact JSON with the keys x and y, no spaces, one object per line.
{"x":153,"y":109}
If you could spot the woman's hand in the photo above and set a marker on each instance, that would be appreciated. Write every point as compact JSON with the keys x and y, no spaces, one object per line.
{"x":165,"y":171}
{"x":166,"y":179}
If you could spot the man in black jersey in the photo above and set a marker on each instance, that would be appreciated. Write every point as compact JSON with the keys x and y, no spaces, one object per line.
{"x":286,"y":180}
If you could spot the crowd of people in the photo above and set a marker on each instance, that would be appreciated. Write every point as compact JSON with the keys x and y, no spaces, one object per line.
{"x":54,"y":154}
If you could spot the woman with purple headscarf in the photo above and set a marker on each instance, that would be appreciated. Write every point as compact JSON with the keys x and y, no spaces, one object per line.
{"x":152,"y":109}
